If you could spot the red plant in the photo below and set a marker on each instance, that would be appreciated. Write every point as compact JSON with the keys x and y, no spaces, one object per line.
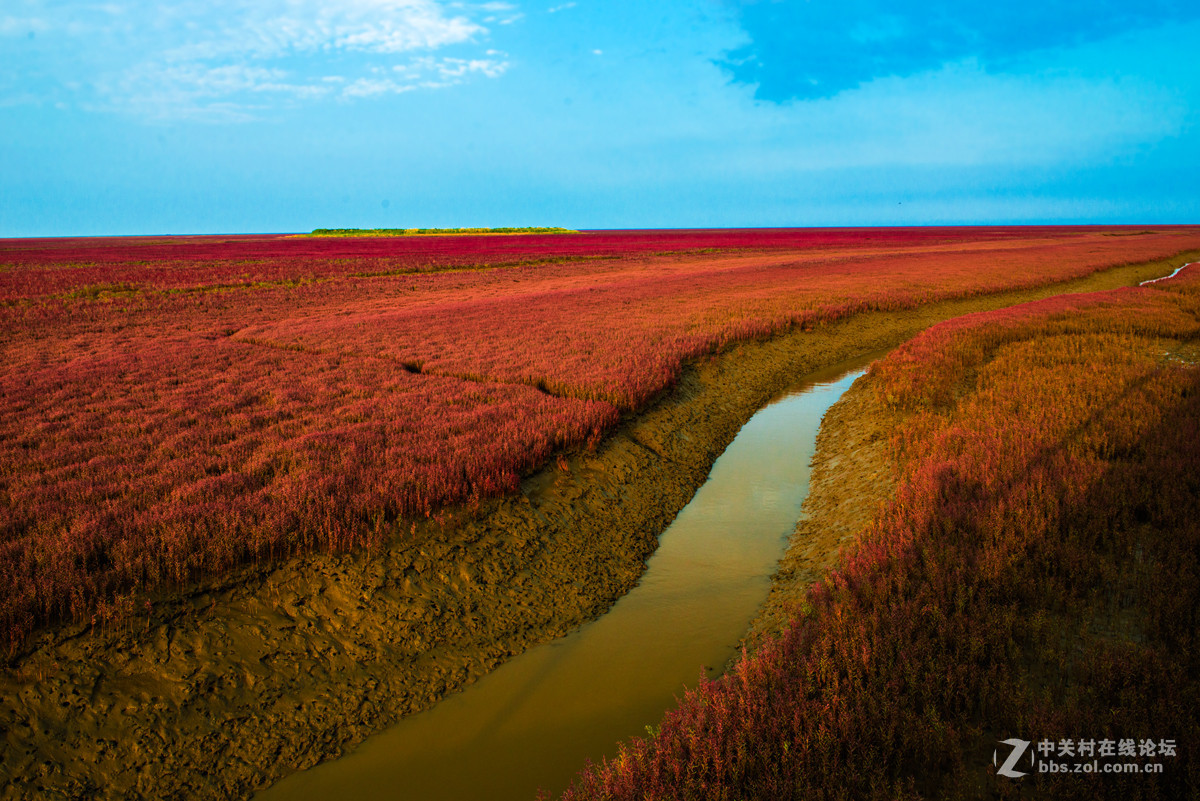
{"x":173,"y":407}
{"x":1036,"y":576}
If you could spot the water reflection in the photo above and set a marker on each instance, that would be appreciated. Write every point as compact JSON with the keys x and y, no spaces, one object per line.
{"x":535,"y":721}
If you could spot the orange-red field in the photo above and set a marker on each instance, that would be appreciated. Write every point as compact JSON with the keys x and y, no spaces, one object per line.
{"x":175,"y":407}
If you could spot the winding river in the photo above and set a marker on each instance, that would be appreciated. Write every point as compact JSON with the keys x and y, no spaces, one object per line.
{"x":535,"y":721}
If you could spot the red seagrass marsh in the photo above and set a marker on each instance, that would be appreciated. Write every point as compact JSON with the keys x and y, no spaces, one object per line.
{"x":263,"y":497}
{"x":173,"y":407}
{"x":1032,"y":575}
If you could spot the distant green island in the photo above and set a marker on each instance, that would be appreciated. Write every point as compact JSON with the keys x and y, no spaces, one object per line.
{"x":433,"y":231}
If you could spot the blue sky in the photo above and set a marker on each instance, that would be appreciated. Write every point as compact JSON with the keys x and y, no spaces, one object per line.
{"x":131,"y":116}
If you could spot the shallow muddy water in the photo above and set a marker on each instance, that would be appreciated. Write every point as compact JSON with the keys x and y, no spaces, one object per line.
{"x":534,"y":722}
{"x":1174,"y":273}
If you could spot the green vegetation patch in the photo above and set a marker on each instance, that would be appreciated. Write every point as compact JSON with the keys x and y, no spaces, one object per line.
{"x":102,"y":291}
{"x":434,"y":231}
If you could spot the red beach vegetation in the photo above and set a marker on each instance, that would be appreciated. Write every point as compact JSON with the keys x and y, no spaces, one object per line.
{"x":1034,"y":577}
{"x":174,"y":407}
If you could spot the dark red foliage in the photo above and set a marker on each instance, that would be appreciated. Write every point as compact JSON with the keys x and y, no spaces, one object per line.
{"x":193,"y":261}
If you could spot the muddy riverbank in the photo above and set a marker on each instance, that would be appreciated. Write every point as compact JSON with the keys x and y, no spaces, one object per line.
{"x":852,"y":477}
{"x":225,"y":689}
{"x":528,"y":726}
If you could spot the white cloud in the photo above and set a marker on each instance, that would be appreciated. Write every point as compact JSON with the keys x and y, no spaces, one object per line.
{"x":426,"y":72}
{"x":197,"y":91}
{"x":556,"y":9}
{"x":500,"y":13}
{"x":452,"y":69}
{"x":372,"y":87}
{"x":272,"y":28}
{"x":179,"y":58}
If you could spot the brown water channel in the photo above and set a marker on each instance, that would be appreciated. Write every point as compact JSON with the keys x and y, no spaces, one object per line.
{"x":533,"y":722}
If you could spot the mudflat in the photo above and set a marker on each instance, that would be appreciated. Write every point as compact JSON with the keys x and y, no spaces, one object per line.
{"x":225,"y":687}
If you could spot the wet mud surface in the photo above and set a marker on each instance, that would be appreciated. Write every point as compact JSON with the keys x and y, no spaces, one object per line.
{"x":226,"y":688}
